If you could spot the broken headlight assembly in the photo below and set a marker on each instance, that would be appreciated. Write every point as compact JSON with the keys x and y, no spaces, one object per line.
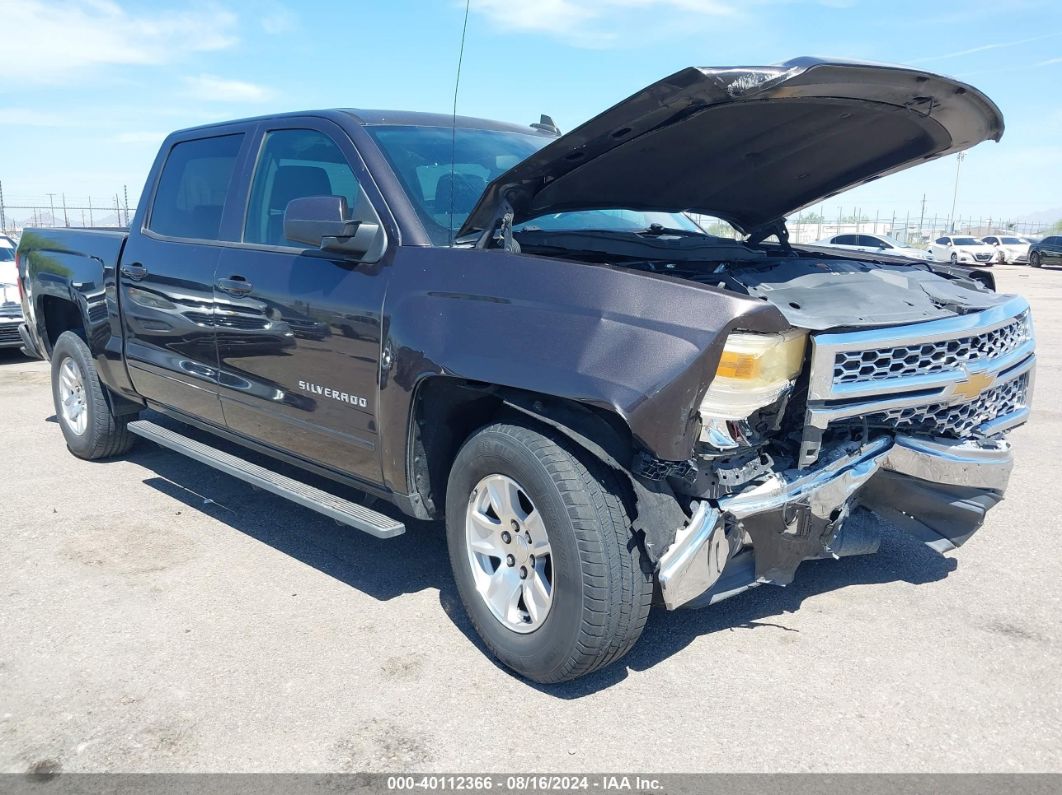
{"x":754,"y":371}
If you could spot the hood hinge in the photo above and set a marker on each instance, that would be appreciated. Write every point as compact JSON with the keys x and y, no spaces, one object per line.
{"x":500,"y":231}
{"x":776,"y":227}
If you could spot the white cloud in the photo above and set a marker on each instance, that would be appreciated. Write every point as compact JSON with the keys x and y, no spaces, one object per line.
{"x":27,"y":117}
{"x":597,"y":24}
{"x":1050,"y":61}
{"x":54,"y":42}
{"x":211,"y":88}
{"x":135,"y":137}
{"x":996,"y":45}
{"x":276,"y":19}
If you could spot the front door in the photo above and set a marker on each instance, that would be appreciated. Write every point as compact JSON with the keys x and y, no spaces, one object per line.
{"x":166,"y":278}
{"x":1052,"y":250}
{"x":312,"y":390}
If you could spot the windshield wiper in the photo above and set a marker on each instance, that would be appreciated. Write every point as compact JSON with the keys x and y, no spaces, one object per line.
{"x":657,"y":230}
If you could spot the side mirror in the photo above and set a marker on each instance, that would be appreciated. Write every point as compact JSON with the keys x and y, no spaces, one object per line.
{"x":324,"y":222}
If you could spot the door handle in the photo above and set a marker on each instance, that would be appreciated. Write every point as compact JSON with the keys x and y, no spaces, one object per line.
{"x":237,"y":285}
{"x":136,"y":271}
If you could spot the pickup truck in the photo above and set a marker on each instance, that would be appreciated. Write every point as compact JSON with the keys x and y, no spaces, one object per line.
{"x":524,"y":335}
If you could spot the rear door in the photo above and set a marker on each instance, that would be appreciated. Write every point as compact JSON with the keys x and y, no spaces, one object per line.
{"x":166,"y":278}
{"x":846,"y":241}
{"x":869,"y":243}
{"x":313,"y":391}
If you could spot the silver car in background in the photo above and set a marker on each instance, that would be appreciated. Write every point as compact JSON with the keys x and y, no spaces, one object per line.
{"x":1010,"y":249}
{"x":874,"y":243}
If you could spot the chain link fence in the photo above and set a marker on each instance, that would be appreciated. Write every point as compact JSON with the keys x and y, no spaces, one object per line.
{"x":59,"y":209}
{"x":910,"y":229}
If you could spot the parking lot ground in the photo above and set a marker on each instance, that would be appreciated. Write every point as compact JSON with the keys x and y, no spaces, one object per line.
{"x":158,"y":616}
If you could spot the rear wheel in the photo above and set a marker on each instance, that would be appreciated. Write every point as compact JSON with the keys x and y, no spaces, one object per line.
{"x":1034,"y":259}
{"x":543,"y":555}
{"x":954,"y":259}
{"x":90,"y":429}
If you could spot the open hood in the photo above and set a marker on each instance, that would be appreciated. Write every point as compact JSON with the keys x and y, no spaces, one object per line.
{"x":746,"y":144}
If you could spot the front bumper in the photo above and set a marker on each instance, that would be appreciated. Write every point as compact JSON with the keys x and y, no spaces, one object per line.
{"x":9,"y":333}
{"x":29,"y":344}
{"x":761,"y":536}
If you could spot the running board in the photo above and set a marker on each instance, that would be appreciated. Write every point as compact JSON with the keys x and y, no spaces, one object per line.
{"x":343,"y":511}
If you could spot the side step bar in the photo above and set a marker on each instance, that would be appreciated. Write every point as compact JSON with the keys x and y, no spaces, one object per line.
{"x":343,"y":511}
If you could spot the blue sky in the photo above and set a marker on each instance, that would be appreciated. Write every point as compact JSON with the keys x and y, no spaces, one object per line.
{"x":89,"y":87}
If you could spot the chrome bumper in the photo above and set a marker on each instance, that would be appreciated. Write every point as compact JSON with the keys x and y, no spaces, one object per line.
{"x":800,"y":515}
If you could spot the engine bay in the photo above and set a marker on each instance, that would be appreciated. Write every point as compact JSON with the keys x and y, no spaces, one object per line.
{"x":814,"y":289}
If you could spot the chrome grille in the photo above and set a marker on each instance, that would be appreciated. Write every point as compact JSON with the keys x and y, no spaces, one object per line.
{"x":960,"y":420}
{"x":9,"y":333}
{"x":923,"y":358}
{"x":924,"y":378}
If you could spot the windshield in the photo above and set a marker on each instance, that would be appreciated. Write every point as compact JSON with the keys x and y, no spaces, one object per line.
{"x":6,"y":254}
{"x":1011,"y":241}
{"x":609,"y":221}
{"x":965,"y":241}
{"x":443,"y":194}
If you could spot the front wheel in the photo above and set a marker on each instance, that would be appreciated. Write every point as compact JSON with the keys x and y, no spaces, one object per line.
{"x":90,"y":428}
{"x":1034,"y":260}
{"x":542,"y":553}
{"x":954,"y":259}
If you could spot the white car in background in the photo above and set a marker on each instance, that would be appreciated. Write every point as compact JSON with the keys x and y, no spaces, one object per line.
{"x":1009,"y":248}
{"x":882,"y":244}
{"x":961,"y":250}
{"x":10,"y":303}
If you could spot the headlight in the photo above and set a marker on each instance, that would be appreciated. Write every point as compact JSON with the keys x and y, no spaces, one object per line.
{"x":754,"y":371}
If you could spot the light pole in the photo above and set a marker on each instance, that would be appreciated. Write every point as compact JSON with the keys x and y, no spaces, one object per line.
{"x":955,"y":194}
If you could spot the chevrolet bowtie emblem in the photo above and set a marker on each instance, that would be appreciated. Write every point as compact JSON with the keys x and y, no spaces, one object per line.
{"x":973,"y":385}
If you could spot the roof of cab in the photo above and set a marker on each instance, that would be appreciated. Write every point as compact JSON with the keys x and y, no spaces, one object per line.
{"x":367,"y":118}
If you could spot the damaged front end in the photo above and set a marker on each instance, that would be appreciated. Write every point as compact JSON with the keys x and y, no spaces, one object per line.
{"x":907,"y":422}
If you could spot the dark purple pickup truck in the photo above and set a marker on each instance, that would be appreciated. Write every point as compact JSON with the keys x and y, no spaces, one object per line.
{"x":524,"y":334}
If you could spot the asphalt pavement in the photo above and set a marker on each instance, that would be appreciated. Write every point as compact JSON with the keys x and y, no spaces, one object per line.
{"x":158,"y":616}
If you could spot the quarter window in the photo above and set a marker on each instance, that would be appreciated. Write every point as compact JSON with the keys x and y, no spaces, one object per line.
{"x":295,"y":164}
{"x":191,"y":193}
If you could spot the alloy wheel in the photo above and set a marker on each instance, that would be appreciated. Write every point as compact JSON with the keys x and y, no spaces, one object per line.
{"x":72,"y":399}
{"x":509,"y":552}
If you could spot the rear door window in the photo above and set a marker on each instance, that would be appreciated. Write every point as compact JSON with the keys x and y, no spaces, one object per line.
{"x":845,"y":240}
{"x":190,"y":197}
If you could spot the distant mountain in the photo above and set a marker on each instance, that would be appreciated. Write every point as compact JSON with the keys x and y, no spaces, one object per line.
{"x":1045,"y":216}
{"x":44,"y":218}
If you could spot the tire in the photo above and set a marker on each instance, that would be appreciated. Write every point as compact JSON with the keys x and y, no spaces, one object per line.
{"x":954,"y":259}
{"x":600,"y":587}
{"x":90,"y":429}
{"x":1034,"y":260}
